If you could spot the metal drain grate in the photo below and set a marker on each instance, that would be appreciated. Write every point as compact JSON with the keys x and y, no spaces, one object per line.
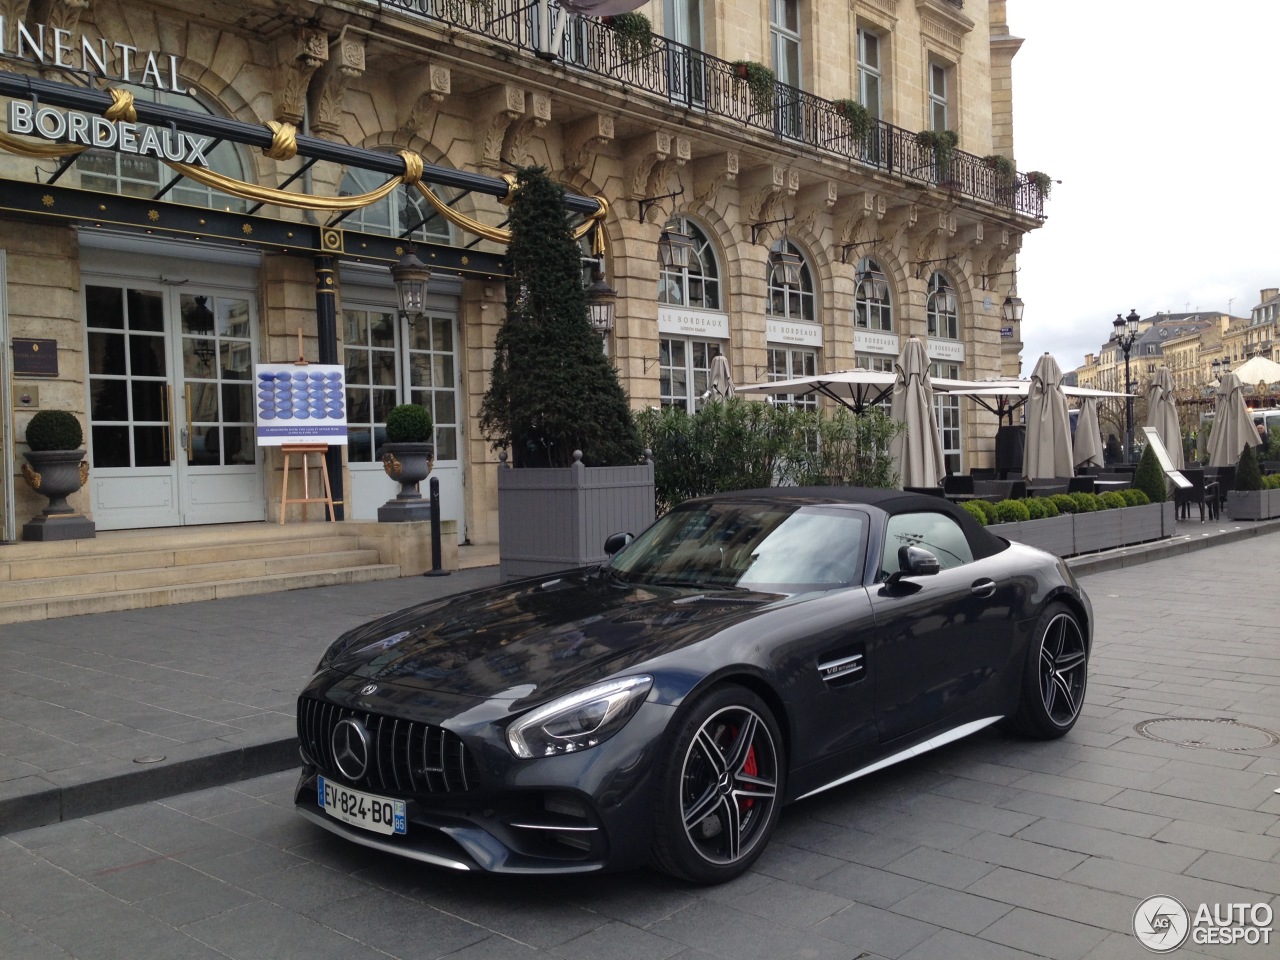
{"x":1218,"y":733}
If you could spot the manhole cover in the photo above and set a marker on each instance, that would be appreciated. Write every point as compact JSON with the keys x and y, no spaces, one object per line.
{"x":1220,"y":733}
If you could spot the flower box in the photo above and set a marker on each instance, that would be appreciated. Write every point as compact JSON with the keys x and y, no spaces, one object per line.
{"x":1102,"y":530}
{"x":1055,"y":535}
{"x":1253,"y":504}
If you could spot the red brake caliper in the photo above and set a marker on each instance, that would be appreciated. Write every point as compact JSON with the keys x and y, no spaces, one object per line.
{"x":749,"y":768}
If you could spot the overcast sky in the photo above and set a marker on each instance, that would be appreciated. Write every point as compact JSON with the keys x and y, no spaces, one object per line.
{"x":1158,"y":118}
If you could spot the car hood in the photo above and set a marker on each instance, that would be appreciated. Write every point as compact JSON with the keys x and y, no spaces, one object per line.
{"x":536,"y":640}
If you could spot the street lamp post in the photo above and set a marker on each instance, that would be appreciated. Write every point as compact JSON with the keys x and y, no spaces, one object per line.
{"x":1124,"y":333}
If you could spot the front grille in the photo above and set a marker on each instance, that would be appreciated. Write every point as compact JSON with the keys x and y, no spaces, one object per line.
{"x":405,"y":757}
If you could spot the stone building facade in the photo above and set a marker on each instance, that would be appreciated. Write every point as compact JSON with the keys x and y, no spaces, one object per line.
{"x":160,"y":288}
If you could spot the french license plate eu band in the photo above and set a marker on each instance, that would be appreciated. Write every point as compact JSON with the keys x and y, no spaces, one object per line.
{"x":364,"y":810}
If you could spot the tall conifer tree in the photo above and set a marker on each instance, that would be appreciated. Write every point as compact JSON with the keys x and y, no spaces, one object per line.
{"x":552,"y":389}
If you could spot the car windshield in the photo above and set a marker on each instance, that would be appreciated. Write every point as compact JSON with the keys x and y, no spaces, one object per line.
{"x":783,"y":547}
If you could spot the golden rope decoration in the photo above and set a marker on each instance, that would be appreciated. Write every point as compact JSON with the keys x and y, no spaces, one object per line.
{"x":284,"y":144}
{"x":121,"y":107}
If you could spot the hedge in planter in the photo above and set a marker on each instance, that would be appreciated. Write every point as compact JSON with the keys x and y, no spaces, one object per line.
{"x":1150,"y":479}
{"x":55,"y":467}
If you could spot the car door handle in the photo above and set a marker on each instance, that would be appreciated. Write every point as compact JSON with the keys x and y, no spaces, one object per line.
{"x":983,"y":588}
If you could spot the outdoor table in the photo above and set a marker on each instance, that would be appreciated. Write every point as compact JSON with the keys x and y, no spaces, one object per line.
{"x":1045,"y":489}
{"x":1102,"y":486}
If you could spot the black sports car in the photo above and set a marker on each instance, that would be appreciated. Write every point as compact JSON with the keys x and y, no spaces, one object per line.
{"x":747,"y":650}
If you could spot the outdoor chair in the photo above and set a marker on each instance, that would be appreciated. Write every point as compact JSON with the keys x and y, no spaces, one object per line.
{"x":1269,"y":467}
{"x":931,"y":491}
{"x":957,"y":484}
{"x":1082,"y":484}
{"x":983,"y":473}
{"x":1225,"y":477}
{"x":1203,"y":493}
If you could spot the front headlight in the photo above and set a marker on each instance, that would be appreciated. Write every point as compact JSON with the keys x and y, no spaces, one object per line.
{"x":578,"y":721}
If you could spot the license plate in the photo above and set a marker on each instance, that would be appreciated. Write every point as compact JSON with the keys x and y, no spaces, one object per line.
{"x":364,"y":810}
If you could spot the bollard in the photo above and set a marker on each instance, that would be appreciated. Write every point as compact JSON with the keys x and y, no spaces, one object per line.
{"x":436,"y":570}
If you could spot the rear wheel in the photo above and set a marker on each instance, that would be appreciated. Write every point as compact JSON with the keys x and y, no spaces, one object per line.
{"x":720,"y":790}
{"x":1055,"y":676}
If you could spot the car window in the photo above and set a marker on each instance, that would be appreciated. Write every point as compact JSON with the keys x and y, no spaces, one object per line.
{"x":749,"y":545}
{"x":936,"y":532}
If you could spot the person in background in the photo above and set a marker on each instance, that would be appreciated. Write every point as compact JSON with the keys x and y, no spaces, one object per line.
{"x":1112,"y":451}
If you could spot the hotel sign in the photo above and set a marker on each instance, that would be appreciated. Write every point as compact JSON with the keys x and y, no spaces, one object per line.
{"x":802,"y":334}
{"x":687,"y":322}
{"x":946,"y":350}
{"x":59,"y":48}
{"x":93,"y":131}
{"x":864,"y":341}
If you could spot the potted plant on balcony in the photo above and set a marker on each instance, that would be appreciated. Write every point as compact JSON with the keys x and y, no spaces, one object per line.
{"x":555,"y":405}
{"x":942,"y":143}
{"x":761,"y":83}
{"x":1005,"y":172}
{"x":407,"y":457}
{"x":1041,"y":181}
{"x":56,"y":468}
{"x":632,"y":31}
{"x":859,"y":117}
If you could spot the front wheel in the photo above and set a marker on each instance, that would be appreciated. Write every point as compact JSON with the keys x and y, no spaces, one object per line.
{"x":720,"y":791}
{"x":1055,"y":676}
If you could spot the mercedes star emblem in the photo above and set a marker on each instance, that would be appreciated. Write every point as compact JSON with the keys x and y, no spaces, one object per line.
{"x":351,"y":748}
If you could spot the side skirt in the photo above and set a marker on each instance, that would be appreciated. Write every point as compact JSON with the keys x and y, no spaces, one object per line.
{"x":920,"y":748}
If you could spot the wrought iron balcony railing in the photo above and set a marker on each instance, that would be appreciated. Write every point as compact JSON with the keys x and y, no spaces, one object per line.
{"x":696,"y":81}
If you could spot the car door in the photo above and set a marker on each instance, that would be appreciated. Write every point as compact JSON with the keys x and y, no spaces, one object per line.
{"x":941,"y":641}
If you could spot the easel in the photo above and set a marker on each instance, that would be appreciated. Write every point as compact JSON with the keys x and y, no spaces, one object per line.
{"x":304,"y":450}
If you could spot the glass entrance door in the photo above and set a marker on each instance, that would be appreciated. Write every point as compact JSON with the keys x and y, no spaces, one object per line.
{"x":170,"y":374}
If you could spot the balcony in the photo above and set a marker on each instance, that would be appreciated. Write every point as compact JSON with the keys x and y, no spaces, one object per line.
{"x":696,"y":82}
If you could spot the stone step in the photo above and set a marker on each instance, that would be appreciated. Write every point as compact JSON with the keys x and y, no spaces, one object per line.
{"x":170,"y":574}
{"x":19,"y":611}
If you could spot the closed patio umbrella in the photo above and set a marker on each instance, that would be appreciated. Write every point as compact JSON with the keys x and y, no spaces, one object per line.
{"x":1162,"y":414}
{"x":720,"y":380}
{"x":1048,"y":448}
{"x":1232,"y":426}
{"x":917,"y":450}
{"x":1087,"y":443}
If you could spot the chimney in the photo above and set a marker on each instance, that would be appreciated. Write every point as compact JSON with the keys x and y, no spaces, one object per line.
{"x":1270,"y":293}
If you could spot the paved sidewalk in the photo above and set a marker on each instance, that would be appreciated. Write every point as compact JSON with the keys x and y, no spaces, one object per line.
{"x":103,"y":711}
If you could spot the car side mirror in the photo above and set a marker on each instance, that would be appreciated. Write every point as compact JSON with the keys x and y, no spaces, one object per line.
{"x":914,"y":561}
{"x":616,"y":542}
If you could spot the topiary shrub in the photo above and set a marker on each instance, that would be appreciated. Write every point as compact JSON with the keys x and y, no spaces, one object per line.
{"x":1248,"y":474}
{"x":1085,"y":502}
{"x":1149,"y":477}
{"x":974,"y":509}
{"x":410,"y":423}
{"x":1135,"y":498}
{"x":1012,"y":511}
{"x":989,"y":508}
{"x":1065,"y":502}
{"x":1035,"y":507}
{"x":1050,"y":508}
{"x":1113,"y":500}
{"x":54,"y":430}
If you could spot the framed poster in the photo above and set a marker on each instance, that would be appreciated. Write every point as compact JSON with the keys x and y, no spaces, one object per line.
{"x":299,"y":403}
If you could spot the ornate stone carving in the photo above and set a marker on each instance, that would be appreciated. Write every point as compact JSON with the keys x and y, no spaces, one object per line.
{"x":710,"y":174}
{"x":643,"y":153}
{"x":345,"y":63}
{"x":812,"y":202}
{"x":515,"y":145}
{"x":494,"y":111}
{"x":897,"y":220}
{"x":584,"y":139}
{"x":298,"y":56}
{"x":421,"y":91}
{"x":761,"y":187}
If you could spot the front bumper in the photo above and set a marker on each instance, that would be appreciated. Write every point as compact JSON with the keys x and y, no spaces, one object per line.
{"x":575,"y":813}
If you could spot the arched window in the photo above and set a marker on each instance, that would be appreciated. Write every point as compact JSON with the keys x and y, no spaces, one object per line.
{"x":873,"y":310}
{"x":941,"y":308}
{"x":403,"y":213}
{"x":135,"y":175}
{"x":698,"y":284}
{"x":790,"y":301}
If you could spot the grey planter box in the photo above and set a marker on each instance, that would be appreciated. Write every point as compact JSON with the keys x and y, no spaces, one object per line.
{"x":1053,"y":534}
{"x":1141,"y":524}
{"x":552,"y":519}
{"x":1253,"y":504}
{"x":1102,"y":530}
{"x":1168,"y":518}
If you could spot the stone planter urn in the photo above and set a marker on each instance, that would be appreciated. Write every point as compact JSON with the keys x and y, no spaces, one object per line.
{"x":56,"y":468}
{"x":408,"y":464}
{"x":407,"y":457}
